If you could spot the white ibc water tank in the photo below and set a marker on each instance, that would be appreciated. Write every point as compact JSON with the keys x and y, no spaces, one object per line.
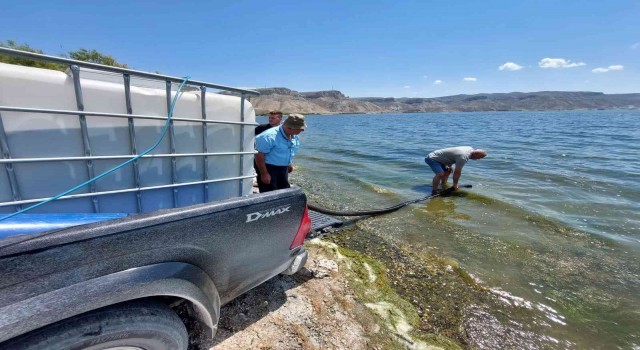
{"x":49,"y":135}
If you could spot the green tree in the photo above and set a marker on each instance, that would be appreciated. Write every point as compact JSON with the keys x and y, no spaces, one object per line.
{"x":25,"y":61}
{"x":80,"y":55}
{"x":94,"y":56}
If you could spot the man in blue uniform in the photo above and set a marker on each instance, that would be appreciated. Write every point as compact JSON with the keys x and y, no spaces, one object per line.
{"x":276,"y":148}
{"x":441,"y":161}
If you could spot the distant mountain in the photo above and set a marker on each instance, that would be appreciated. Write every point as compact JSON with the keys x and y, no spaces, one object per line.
{"x":335,"y":102}
{"x":315,"y":102}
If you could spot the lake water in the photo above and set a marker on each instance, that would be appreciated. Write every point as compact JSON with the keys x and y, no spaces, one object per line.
{"x":552,"y":223}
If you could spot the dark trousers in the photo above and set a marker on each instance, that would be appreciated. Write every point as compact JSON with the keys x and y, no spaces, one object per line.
{"x":279,"y":178}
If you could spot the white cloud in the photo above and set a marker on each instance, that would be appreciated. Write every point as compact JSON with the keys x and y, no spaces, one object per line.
{"x":559,"y":63}
{"x":406,"y":87}
{"x":470,"y":79}
{"x":510,"y":66}
{"x":604,"y":70}
{"x":438,"y":82}
{"x":635,"y":46}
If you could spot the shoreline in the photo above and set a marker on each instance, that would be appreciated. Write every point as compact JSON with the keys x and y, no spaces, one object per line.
{"x":360,"y":292}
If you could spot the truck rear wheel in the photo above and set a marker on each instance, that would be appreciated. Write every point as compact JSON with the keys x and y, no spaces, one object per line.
{"x":136,"y":325}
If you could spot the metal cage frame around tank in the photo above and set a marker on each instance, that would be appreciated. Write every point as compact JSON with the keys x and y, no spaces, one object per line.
{"x":75,"y":66}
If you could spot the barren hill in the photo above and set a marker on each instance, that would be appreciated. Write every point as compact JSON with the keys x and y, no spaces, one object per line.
{"x":335,"y":102}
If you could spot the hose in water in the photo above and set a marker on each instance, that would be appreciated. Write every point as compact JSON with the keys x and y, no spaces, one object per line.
{"x":382,"y":210}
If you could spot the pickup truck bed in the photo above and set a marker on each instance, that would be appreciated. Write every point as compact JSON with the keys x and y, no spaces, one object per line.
{"x":205,"y":254}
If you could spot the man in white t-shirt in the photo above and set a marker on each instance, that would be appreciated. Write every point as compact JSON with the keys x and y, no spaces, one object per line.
{"x":442,"y":160}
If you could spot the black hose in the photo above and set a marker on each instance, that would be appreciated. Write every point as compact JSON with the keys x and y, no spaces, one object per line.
{"x":383,"y":210}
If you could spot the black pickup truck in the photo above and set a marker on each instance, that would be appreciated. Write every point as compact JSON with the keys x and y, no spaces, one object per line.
{"x":117,"y":283}
{"x":148,"y":254}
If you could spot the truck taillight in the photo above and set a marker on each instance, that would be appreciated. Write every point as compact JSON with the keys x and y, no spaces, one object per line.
{"x":303,"y":230}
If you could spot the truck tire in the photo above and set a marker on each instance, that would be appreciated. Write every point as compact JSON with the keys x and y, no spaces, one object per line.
{"x":136,"y":325}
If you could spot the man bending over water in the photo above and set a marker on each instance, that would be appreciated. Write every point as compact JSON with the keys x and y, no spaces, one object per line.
{"x":441,"y":161}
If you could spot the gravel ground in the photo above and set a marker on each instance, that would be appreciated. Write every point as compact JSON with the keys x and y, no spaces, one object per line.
{"x":314,"y":309}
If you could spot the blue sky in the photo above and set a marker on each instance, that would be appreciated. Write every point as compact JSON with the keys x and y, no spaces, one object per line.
{"x":362,"y":48}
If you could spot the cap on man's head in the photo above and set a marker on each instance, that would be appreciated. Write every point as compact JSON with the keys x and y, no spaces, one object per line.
{"x":295,"y":121}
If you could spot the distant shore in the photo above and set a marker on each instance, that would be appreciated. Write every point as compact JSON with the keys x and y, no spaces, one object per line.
{"x":266,"y":113}
{"x":335,"y":102}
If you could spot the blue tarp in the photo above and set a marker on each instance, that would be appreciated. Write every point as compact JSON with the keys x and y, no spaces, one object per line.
{"x":34,"y":223}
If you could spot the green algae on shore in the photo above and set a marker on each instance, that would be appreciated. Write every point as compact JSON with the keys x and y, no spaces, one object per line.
{"x":370,"y":281}
{"x":430,"y":292}
{"x":428,"y":301}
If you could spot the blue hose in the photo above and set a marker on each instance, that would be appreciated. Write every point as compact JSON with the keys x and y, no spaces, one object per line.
{"x":164,"y":131}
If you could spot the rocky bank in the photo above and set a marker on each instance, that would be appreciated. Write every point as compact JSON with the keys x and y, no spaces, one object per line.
{"x":362,"y":292}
